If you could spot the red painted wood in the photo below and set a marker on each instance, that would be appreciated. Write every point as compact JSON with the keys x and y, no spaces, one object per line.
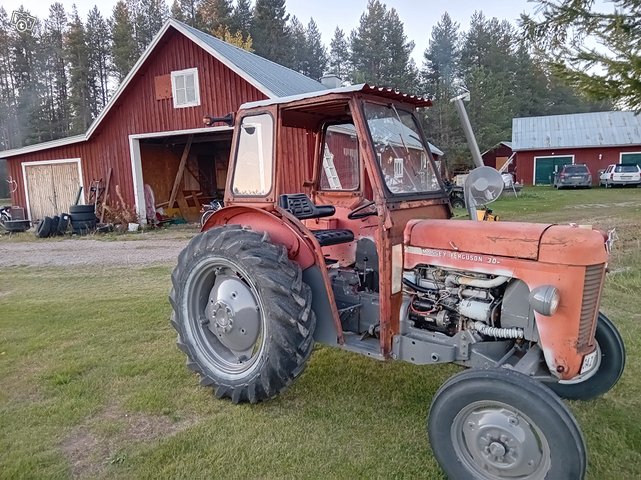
{"x":137,"y":111}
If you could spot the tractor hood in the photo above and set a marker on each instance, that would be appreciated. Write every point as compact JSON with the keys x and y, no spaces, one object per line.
{"x":504,"y":239}
{"x":563,"y":244}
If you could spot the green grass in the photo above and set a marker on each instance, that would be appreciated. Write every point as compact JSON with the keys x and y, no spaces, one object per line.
{"x":93,"y":386}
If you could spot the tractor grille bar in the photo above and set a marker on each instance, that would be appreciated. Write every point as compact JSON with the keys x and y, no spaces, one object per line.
{"x":591,"y":295}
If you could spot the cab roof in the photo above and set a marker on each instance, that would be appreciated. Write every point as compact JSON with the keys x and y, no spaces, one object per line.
{"x":385,"y":92}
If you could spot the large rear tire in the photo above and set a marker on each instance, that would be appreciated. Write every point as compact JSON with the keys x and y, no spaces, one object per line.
{"x":609,"y":366}
{"x":242,"y":312}
{"x":499,"y":424}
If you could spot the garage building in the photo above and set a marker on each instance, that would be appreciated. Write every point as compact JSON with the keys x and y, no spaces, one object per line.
{"x":544,"y":144}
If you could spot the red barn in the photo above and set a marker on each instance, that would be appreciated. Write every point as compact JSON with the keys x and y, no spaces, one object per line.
{"x":597,"y":139}
{"x":153,"y":125}
{"x":498,"y":156}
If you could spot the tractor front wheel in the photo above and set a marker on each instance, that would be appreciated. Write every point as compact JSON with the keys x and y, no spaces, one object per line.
{"x":242,"y":312}
{"x":609,"y":366}
{"x":498,"y":423}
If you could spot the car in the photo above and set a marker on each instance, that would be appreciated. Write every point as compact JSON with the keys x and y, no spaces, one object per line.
{"x":576,"y":175}
{"x":621,"y":174}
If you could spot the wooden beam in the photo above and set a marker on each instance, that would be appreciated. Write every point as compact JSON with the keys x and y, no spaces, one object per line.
{"x":106,"y":195}
{"x":181,"y":171}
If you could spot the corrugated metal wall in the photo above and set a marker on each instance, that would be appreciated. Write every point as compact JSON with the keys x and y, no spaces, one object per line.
{"x":138,"y":111}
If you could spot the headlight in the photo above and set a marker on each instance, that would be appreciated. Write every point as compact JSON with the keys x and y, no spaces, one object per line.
{"x":545,"y":299}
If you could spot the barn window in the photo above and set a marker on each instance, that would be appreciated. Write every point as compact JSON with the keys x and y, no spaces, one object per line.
{"x":184,"y":88}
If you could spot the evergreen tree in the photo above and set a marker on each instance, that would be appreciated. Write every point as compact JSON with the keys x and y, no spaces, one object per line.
{"x":400,"y":69}
{"x":299,"y":60}
{"x":369,"y":52}
{"x":148,"y":17}
{"x":57,"y":95}
{"x":9,"y":134}
{"x":270,"y":33}
{"x":80,"y":82}
{"x":339,"y":55}
{"x":241,"y":19}
{"x":215,"y":15}
{"x":186,"y":11}
{"x":123,"y":50}
{"x":316,"y":52}
{"x":594,"y":51}
{"x":99,"y":46}
{"x":440,"y":75}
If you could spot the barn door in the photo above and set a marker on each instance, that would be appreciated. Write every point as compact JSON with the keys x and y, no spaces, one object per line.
{"x":51,"y":188}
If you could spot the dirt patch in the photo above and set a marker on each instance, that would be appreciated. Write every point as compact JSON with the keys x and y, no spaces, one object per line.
{"x":65,"y":253}
{"x":90,"y":449}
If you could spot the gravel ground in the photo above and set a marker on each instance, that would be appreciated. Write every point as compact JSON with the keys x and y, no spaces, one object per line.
{"x":84,"y":252}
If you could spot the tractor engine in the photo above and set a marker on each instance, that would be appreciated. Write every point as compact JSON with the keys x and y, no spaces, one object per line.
{"x":449,"y":301}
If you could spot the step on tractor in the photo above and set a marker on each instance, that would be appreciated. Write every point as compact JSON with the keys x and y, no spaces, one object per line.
{"x":337,"y":229}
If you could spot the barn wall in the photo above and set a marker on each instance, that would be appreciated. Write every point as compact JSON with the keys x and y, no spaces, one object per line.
{"x":489,"y":157}
{"x":138,"y":111}
{"x":590,"y":156}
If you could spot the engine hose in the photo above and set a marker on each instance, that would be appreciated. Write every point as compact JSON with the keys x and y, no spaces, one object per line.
{"x":475,"y":282}
{"x":484,"y":329}
{"x":418,"y":288}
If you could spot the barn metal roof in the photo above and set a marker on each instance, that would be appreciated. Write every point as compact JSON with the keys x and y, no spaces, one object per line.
{"x":578,"y":130}
{"x":280,"y":81}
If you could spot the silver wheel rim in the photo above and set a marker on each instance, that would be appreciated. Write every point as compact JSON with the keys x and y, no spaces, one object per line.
{"x":494,"y":440}
{"x":224,"y":317}
{"x":589,"y":374}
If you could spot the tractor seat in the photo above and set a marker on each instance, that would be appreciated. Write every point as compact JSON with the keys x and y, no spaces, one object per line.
{"x":301,"y":206}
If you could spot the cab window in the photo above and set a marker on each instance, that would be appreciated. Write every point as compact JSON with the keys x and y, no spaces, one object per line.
{"x":340,"y":159}
{"x":254,"y":157}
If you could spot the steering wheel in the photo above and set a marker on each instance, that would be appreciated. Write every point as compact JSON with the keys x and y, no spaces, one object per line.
{"x":359,"y":212}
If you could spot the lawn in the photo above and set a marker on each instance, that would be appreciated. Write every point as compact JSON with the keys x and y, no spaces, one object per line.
{"x":93,"y":386}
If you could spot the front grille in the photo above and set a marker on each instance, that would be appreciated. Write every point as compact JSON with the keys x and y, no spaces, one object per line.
{"x":591,"y":296}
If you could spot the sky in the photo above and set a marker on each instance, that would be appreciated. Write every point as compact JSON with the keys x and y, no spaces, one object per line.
{"x":418,"y":16}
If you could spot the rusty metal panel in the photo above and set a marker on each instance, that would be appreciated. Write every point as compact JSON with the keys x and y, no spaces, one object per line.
{"x":162,"y":87}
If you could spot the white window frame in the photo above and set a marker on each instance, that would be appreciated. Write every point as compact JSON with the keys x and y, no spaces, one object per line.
{"x":622,"y":154}
{"x":194,"y":72}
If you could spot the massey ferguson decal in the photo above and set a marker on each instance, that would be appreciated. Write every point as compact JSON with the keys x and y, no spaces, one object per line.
{"x":469,"y":257}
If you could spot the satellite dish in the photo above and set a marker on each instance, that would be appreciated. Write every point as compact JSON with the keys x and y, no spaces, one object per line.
{"x":482,"y":186}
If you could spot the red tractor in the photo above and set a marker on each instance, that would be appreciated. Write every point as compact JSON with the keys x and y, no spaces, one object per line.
{"x":336,"y":229}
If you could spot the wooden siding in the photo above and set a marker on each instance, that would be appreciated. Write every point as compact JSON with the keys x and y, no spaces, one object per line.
{"x":138,"y":111}
{"x":524,"y":168}
{"x":52,"y":188}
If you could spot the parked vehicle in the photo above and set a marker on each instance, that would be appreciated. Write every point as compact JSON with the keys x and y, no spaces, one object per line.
{"x":357,"y":249}
{"x":621,"y":174}
{"x":573,"y":176}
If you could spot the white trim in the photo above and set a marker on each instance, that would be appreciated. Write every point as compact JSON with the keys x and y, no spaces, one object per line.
{"x":184,"y":73}
{"x":546,"y":156}
{"x":43,"y":146}
{"x":49,"y":162}
{"x":627,"y":153}
{"x":136,"y":162}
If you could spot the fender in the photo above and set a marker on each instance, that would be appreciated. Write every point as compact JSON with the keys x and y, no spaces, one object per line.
{"x":302,"y":248}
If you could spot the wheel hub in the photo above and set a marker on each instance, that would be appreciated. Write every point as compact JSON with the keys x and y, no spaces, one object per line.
{"x":233,"y":316}
{"x":499,"y":442}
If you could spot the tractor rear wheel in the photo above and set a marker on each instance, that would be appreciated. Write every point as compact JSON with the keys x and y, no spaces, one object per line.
{"x":498,"y":423}
{"x":242,"y":312}
{"x":609,"y":367}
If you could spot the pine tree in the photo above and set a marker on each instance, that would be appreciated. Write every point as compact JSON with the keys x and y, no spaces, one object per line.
{"x":369,"y":52}
{"x":400,"y":69}
{"x":58,"y":97}
{"x":9,"y":131}
{"x":595,"y":50}
{"x":186,"y":11}
{"x":241,"y":19}
{"x":339,"y":55}
{"x":215,"y":15}
{"x":148,"y":17}
{"x":316,"y":52}
{"x":123,"y":50}
{"x":99,"y":45}
{"x":299,"y":60}
{"x":80,"y":82}
{"x":270,"y":33}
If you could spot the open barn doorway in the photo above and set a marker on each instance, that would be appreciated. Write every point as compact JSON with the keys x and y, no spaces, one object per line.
{"x":181,"y":172}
